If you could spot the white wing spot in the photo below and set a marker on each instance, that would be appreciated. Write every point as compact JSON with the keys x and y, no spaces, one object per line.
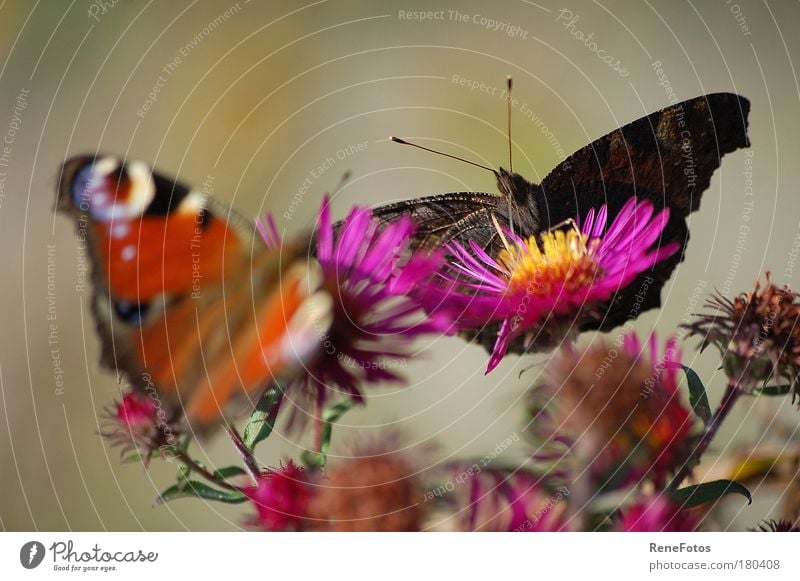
{"x":143,"y":188}
{"x":120,"y":230}
{"x":105,"y":166}
{"x":128,"y":253}
{"x":194,"y":203}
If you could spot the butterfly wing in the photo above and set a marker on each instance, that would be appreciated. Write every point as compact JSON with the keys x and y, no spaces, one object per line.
{"x":459,"y":216}
{"x":464,"y":217}
{"x":670,"y":154}
{"x":189,"y":304}
{"x":667,"y":157}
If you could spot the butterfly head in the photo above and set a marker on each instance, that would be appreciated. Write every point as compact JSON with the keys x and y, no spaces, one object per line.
{"x":523,"y":197}
{"x":515,"y":186}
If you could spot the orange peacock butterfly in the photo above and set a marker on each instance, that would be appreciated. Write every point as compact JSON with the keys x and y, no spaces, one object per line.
{"x":187,"y":300}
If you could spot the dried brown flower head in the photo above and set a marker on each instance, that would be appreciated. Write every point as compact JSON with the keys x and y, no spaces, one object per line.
{"x":616,"y":410}
{"x":777,"y":526}
{"x":372,"y":492}
{"x":757,"y":334}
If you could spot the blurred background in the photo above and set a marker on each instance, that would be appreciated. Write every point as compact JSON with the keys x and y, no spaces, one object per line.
{"x":272,"y":103}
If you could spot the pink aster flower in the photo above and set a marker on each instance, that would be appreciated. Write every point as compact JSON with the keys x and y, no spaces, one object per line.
{"x":372,"y":276}
{"x":656,"y":514}
{"x":282,"y":497}
{"x":543,"y":284}
{"x":136,"y":411}
{"x":504,"y":500}
{"x":269,"y":231}
{"x":139,"y":426}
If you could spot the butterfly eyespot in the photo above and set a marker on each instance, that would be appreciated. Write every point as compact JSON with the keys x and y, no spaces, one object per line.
{"x":80,"y":187}
{"x":93,"y":192}
{"x":130,"y":313}
{"x":107,"y":191}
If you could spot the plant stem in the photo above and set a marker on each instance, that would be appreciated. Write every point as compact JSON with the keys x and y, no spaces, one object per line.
{"x":319,"y":424}
{"x":250,"y":461}
{"x":732,"y":393}
{"x":186,"y":459}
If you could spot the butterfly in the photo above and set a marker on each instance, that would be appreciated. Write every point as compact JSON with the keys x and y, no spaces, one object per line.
{"x":189,"y":302}
{"x":667,"y":157}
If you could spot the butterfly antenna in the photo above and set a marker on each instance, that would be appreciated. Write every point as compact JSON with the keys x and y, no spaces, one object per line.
{"x":404,"y":142}
{"x":342,"y":181}
{"x":509,"y":84}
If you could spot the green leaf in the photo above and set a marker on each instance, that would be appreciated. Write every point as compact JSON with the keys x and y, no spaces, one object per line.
{"x":184,"y":471}
{"x":698,"y":398}
{"x":194,"y":489}
{"x":772,"y":390}
{"x":697,"y":494}
{"x":316,"y":460}
{"x":262,"y":420}
{"x":335,"y":413}
{"x":312,"y":460}
{"x":229,"y":472}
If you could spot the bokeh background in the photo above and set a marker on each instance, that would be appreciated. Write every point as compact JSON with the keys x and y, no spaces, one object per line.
{"x":264,"y":94}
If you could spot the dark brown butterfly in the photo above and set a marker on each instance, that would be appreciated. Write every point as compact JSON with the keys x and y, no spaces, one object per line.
{"x":667,"y":157}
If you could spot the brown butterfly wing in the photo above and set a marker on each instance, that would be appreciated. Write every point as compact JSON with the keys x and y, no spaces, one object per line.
{"x":459,"y":216}
{"x":667,"y":157}
{"x":463,"y":217}
{"x":670,"y":154}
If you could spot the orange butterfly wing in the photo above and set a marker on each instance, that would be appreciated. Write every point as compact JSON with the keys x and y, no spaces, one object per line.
{"x":189,"y":304}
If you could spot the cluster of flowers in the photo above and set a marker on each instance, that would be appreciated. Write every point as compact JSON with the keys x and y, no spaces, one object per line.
{"x":605,"y":422}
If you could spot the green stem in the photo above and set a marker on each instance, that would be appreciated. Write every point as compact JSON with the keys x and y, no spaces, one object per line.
{"x":317,"y":456}
{"x":319,"y":423}
{"x":196,"y":467}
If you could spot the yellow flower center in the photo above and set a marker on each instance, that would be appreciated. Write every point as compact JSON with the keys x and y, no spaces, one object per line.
{"x":564,"y":261}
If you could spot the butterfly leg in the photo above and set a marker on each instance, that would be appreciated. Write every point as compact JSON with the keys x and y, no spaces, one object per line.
{"x":568,"y":222}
